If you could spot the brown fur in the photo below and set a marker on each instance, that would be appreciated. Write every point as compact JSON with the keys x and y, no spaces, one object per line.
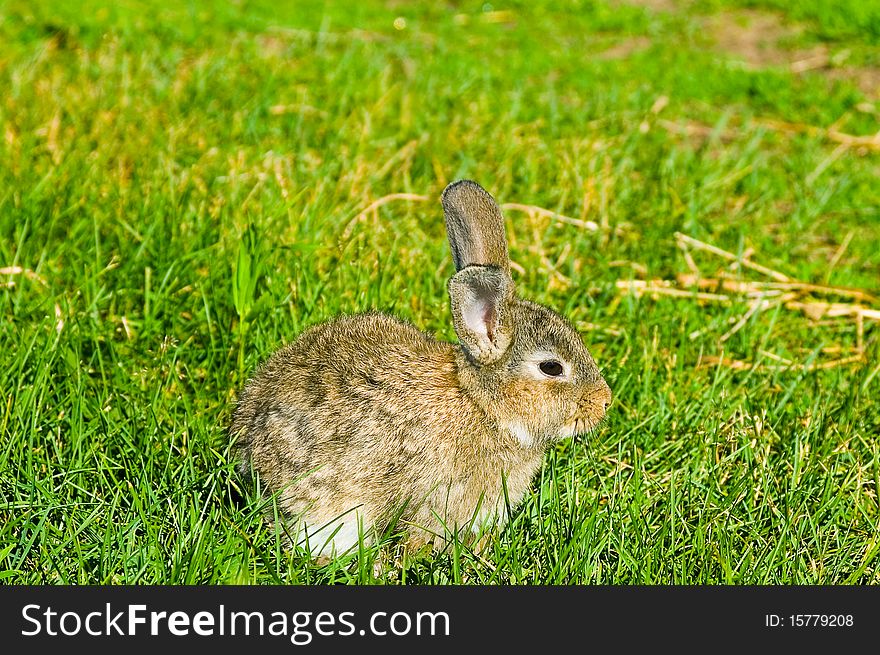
{"x":365,"y":418}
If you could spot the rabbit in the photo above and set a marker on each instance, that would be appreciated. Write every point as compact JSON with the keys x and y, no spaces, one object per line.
{"x":365,"y":420}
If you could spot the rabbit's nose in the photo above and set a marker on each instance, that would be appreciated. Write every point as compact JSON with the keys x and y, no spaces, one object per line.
{"x":597,"y":398}
{"x":602,"y":395}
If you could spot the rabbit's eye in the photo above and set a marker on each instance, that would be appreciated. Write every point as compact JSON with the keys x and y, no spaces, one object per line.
{"x":552,"y":368}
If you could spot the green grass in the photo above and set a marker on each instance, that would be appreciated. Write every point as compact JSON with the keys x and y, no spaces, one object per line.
{"x":833,"y":21}
{"x":180,"y":185}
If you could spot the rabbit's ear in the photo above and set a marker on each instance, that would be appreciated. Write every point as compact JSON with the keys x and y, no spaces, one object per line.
{"x":481,"y":298}
{"x":474,"y":225}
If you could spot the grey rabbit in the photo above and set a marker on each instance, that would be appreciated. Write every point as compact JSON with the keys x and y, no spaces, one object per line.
{"x":364,"y":419}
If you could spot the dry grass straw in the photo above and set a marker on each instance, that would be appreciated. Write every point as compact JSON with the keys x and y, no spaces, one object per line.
{"x":818,"y":303}
{"x":832,"y":134}
{"x":11,"y":271}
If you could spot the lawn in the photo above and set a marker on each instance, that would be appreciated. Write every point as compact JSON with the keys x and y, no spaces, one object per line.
{"x":184,"y":187}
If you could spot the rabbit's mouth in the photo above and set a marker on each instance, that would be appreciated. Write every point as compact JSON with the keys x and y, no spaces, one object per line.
{"x":580,"y":425}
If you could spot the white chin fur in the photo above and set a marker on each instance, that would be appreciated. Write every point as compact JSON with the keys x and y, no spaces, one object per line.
{"x":527,"y":439}
{"x":521,"y":433}
{"x":575,"y":428}
{"x":569,"y":430}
